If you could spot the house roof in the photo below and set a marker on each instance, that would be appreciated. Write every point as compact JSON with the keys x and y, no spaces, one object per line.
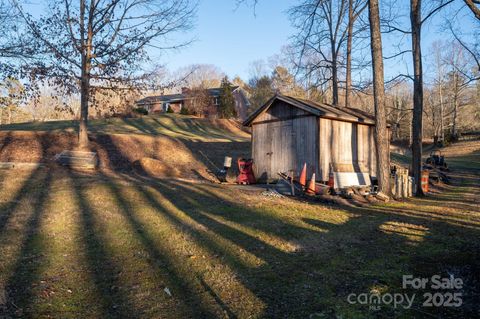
{"x":214,"y":92}
{"x":318,"y":109}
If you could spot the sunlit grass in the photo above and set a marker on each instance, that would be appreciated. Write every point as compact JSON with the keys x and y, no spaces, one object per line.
{"x":94,"y":245}
{"x":171,"y":125}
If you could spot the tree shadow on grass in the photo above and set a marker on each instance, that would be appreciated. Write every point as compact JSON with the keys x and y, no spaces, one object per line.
{"x":27,"y":268}
{"x":30,"y":260}
{"x":187,"y":291}
{"x":331,"y":262}
{"x":114,"y":303}
{"x":354,"y":252}
{"x":28,"y":188}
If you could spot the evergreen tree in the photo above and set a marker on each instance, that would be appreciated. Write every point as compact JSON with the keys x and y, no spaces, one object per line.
{"x":227,"y":102}
{"x":261,"y":90}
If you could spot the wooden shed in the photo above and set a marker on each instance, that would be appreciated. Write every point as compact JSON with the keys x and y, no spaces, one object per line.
{"x":288,"y":132}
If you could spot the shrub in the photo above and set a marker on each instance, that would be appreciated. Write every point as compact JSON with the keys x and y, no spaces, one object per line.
{"x":169,"y":110}
{"x":140,"y":110}
{"x":450,"y":138}
{"x":184,"y":111}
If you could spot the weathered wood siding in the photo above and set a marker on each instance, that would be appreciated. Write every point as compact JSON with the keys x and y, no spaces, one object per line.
{"x":347,"y":144}
{"x":280,"y":111}
{"x":284,"y":138}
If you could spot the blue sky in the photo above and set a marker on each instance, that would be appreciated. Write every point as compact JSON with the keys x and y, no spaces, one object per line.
{"x":232,"y":37}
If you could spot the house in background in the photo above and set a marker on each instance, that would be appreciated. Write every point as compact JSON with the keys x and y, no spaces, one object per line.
{"x":161,"y":103}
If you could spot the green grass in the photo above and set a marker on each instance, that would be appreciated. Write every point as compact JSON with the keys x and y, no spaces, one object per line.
{"x":106,"y":246}
{"x":172,"y":125}
{"x":466,"y":162}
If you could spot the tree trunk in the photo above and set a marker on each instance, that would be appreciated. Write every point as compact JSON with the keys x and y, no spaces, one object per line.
{"x":86,"y":42}
{"x":416,"y":22}
{"x":348,"y":79}
{"x":334,"y":81}
{"x":83,"y":123}
{"x":442,"y":134}
{"x":455,"y":105}
{"x":381,"y":130}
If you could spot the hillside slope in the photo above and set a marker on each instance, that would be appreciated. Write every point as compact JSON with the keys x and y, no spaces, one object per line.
{"x":171,"y":125}
{"x":163,"y":146}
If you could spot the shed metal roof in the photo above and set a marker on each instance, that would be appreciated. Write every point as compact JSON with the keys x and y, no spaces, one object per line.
{"x":318,"y":109}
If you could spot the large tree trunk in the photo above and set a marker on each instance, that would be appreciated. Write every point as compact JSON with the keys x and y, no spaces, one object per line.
{"x":86,"y":48}
{"x":83,"y":124}
{"x":416,"y":22}
{"x":348,"y":79}
{"x":381,"y":130}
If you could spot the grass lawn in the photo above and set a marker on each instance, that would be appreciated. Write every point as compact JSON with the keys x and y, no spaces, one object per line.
{"x":109,"y":245}
{"x":171,"y":125}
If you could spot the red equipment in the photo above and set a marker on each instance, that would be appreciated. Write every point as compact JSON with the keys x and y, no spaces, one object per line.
{"x":246,"y":176}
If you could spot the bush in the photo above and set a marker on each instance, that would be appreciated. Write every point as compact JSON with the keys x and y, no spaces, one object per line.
{"x":169,"y":110}
{"x":450,"y":138}
{"x":140,"y":110}
{"x":184,"y":111}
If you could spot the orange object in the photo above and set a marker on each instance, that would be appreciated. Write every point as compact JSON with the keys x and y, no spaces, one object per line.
{"x":424,"y":180}
{"x":311,"y":186}
{"x":331,"y":180}
{"x":303,"y":175}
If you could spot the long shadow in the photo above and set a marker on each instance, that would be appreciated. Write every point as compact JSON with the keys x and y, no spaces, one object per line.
{"x":116,"y":159}
{"x":141,"y":126}
{"x":375,"y":250}
{"x":114,"y":303}
{"x":28,"y":187}
{"x":351,"y":257}
{"x":25,"y":190}
{"x":7,"y":140}
{"x":276,"y":282}
{"x":27,"y":268}
{"x":181,"y":287}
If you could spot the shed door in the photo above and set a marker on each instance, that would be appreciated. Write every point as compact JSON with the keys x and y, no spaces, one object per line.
{"x":285,"y":145}
{"x":283,"y":153}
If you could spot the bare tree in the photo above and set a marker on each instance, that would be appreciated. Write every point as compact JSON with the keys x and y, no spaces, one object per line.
{"x":474,"y":6}
{"x":200,"y":75}
{"x":101,"y":44}
{"x":439,"y":83}
{"x":198,"y":101}
{"x":355,"y":8}
{"x":381,"y":130}
{"x":322,"y":26}
{"x":458,"y":81}
{"x":12,"y":92}
{"x":417,"y":19}
{"x":399,"y":97}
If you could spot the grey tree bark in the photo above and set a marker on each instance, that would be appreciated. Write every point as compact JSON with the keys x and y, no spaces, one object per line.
{"x":417,"y":123}
{"x":381,"y":130}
